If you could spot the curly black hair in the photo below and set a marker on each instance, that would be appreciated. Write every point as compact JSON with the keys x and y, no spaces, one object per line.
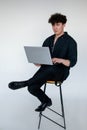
{"x":57,"y":17}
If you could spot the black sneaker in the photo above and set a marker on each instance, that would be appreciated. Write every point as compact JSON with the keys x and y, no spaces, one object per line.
{"x":17,"y":84}
{"x":43,"y":106}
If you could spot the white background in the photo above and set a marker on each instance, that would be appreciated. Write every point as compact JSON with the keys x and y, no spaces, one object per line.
{"x":25,"y":22}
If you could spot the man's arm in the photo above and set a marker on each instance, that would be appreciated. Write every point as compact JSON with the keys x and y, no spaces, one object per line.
{"x":71,"y":56}
{"x":61,"y":61}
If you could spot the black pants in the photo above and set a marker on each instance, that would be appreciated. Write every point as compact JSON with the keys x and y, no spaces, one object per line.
{"x":44,"y":73}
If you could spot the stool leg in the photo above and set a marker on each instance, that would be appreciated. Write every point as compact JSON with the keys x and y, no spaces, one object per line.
{"x":40,"y":114}
{"x":62,"y":106}
{"x":45,"y":88}
{"x":39,"y":120}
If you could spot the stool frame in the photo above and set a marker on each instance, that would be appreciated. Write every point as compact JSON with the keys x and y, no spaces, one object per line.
{"x":58,"y":84}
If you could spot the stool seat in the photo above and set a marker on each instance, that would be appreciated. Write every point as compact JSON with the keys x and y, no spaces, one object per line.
{"x":54,"y":82}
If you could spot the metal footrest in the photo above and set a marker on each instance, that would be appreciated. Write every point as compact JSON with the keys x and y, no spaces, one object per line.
{"x":53,"y":121}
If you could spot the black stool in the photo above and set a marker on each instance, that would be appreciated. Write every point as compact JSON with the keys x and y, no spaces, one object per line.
{"x":58,"y":84}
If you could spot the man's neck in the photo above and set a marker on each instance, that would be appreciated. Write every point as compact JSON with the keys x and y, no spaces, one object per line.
{"x":58,"y":35}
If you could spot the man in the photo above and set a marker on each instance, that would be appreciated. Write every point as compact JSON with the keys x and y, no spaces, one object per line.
{"x":63,"y":49}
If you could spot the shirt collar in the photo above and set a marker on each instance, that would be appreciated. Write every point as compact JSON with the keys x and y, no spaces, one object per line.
{"x":65,"y":33}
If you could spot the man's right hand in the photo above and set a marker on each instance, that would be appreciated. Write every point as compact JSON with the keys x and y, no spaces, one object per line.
{"x":38,"y":65}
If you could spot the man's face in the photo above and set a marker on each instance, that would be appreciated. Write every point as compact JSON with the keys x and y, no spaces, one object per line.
{"x":58,"y":28}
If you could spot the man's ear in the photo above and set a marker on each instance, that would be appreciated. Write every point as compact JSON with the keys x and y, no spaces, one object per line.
{"x":64,"y":25}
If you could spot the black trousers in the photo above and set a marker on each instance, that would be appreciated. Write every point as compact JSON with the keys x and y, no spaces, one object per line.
{"x":46,"y":72}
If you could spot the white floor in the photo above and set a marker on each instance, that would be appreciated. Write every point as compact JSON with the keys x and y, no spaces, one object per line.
{"x":17,"y":110}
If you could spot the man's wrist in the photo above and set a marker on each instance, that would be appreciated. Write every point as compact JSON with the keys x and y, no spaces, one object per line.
{"x":65,"y":62}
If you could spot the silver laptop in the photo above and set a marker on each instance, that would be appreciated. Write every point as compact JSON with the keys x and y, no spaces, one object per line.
{"x":38,"y":55}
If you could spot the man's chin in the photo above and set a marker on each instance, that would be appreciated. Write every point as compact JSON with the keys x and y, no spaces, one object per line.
{"x":57,"y":33}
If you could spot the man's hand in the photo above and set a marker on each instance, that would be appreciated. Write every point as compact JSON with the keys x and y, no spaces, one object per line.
{"x":38,"y":65}
{"x":62,"y":61}
{"x":56,"y":60}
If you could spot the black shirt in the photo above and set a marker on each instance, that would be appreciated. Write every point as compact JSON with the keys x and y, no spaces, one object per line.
{"x":65,"y":48}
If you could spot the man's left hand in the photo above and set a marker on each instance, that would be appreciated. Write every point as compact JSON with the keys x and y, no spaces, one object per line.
{"x":65,"y":62}
{"x":56,"y":60}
